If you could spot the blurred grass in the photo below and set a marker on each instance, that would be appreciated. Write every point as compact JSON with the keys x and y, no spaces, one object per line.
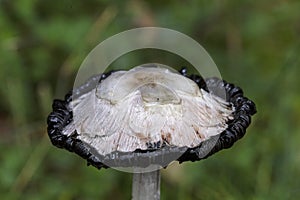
{"x":256,"y":45}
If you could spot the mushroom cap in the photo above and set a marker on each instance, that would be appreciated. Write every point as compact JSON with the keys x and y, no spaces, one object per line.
{"x":149,"y":116}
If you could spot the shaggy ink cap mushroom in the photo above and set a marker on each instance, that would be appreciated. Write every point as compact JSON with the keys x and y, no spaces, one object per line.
{"x":148,"y":117}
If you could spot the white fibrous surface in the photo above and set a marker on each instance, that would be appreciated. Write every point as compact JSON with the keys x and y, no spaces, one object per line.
{"x":130,"y":109}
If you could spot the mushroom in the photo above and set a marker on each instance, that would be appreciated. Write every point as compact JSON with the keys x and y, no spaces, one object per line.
{"x":147,"y":117}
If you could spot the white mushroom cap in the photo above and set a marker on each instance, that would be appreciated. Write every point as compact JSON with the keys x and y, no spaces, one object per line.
{"x":131,"y":109}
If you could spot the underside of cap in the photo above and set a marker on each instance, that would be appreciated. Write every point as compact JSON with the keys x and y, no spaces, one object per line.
{"x":130,"y":120}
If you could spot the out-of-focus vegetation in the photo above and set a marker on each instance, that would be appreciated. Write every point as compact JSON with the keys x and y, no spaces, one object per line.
{"x":255,"y":44}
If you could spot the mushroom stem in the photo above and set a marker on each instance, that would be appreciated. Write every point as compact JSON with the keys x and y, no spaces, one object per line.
{"x":146,"y":186}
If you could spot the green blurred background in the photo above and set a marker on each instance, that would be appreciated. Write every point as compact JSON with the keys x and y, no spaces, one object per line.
{"x":255,"y":45}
